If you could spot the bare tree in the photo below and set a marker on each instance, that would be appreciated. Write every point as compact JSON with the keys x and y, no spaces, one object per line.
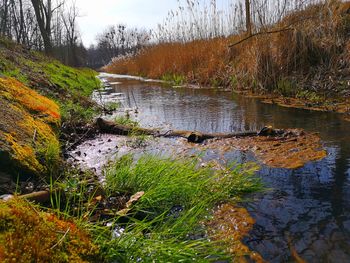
{"x":71,"y":33}
{"x":248,"y":20}
{"x":43,"y":12}
{"x":4,"y":17}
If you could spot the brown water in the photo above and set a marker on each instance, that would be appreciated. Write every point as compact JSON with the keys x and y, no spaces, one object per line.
{"x":307,"y":209}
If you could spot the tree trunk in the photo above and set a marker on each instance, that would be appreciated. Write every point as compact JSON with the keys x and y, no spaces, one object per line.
{"x":43,"y":16}
{"x":248,"y":20}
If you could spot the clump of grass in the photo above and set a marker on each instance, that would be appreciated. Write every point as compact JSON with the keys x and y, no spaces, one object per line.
{"x":112,"y":106}
{"x":175,"y":79}
{"x":126,"y":120}
{"x":165,"y":224}
{"x":286,"y":88}
{"x":76,"y":195}
{"x":72,"y":112}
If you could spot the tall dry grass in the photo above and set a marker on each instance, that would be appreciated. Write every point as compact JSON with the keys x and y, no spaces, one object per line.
{"x":311,"y":42}
{"x":198,"y":61}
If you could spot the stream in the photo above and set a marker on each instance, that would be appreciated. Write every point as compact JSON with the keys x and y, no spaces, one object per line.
{"x":306,"y":211}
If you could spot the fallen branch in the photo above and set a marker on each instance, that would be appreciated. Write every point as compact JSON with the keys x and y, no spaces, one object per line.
{"x":192,"y":136}
{"x":38,"y":197}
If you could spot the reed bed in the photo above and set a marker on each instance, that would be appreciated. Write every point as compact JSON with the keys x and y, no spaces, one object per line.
{"x":306,"y":46}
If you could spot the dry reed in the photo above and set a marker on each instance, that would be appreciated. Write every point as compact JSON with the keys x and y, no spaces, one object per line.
{"x":311,"y":42}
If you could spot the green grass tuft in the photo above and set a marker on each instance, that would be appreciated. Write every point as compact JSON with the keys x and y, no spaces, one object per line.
{"x":165,"y":224}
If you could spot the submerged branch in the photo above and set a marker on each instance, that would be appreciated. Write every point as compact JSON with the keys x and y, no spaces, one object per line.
{"x":192,"y":136}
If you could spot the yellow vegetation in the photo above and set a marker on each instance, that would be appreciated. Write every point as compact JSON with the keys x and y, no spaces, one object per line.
{"x":30,"y":235}
{"x":13,"y":90}
{"x":27,"y":130}
{"x":24,"y":154}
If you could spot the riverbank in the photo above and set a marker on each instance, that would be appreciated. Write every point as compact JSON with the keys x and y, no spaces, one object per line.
{"x":51,"y":210}
{"x":309,"y":72}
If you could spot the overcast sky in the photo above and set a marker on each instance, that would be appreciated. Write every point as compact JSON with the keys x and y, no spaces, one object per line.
{"x":95,"y":15}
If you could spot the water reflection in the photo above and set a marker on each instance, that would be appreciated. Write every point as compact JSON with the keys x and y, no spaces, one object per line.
{"x":308,"y":209}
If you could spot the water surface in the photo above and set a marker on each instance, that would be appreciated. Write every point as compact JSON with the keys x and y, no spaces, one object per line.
{"x":307,"y":210}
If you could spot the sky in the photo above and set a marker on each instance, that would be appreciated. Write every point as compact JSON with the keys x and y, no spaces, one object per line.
{"x":96,"y":15}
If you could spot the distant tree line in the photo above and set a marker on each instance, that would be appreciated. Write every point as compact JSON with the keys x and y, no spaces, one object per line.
{"x":51,"y":26}
{"x":48,"y":25}
{"x":115,"y":41}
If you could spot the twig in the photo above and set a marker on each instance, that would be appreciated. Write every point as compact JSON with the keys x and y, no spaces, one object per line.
{"x":260,"y":33}
{"x":286,"y":28}
{"x":61,"y":240}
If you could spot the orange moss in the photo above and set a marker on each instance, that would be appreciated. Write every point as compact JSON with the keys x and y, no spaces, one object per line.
{"x":30,"y":235}
{"x":30,"y":99}
{"x":231,"y":224}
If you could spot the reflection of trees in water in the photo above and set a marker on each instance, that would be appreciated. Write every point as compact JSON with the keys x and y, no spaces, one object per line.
{"x":201,"y":110}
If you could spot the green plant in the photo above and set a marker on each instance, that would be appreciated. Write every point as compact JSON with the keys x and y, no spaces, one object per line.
{"x":234,"y":82}
{"x":125,"y":120}
{"x":310,"y":96}
{"x":74,"y":194}
{"x":178,"y":196}
{"x":51,"y":156}
{"x":286,"y":88}
{"x":174,"y":78}
{"x":17,"y":74}
{"x":75,"y":112}
{"x":112,"y":106}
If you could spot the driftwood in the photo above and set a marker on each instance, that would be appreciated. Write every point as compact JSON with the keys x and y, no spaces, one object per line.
{"x":192,"y":136}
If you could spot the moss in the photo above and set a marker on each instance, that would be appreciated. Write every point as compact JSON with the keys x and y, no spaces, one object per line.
{"x":27,"y":130}
{"x":30,"y":235}
{"x":83,"y":81}
{"x":24,"y":154}
{"x":30,"y":99}
{"x":49,"y":77}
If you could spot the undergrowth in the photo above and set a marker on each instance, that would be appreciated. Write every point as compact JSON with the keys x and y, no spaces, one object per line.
{"x":167,"y":223}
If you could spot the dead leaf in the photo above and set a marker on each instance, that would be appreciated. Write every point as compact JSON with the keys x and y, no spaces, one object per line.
{"x":134,"y":198}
